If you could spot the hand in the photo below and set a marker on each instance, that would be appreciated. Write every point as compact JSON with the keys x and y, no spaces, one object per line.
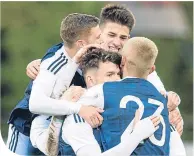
{"x":173,"y":100}
{"x":91,"y":115}
{"x":176,"y":120}
{"x":82,"y":51}
{"x":145,"y":127}
{"x":73,"y":93}
{"x":33,"y":69}
{"x":179,"y":127}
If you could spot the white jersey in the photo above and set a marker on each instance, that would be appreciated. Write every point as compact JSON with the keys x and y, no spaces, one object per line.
{"x":156,"y":81}
{"x":55,"y":76}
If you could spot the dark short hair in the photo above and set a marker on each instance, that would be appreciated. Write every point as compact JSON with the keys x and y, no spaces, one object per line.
{"x":94,"y":56}
{"x":118,"y":14}
{"x":75,"y":26}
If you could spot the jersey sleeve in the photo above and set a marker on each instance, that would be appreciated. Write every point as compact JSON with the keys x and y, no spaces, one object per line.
{"x":176,"y":144}
{"x":77,"y":133}
{"x":62,"y":68}
{"x":93,"y":97}
{"x":55,"y":76}
{"x":84,"y":144}
{"x":39,"y":131}
{"x":156,"y":81}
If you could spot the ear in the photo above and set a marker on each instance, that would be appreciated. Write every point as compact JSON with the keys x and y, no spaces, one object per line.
{"x":81,"y":43}
{"x":90,"y":81}
{"x":152,"y":69}
{"x":123,"y":61}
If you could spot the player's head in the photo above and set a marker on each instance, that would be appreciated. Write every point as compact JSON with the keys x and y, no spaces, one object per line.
{"x":139,"y":55}
{"x":100,"y":66}
{"x":78,"y":30}
{"x":116,"y":23}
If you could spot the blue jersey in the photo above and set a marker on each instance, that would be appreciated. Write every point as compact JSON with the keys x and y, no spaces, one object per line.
{"x":121,"y":100}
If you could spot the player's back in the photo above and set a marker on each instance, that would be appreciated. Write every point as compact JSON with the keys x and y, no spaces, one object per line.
{"x":121,"y":100}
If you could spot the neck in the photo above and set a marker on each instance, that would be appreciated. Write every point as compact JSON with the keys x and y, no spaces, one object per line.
{"x":71,"y":51}
{"x":133,"y":73}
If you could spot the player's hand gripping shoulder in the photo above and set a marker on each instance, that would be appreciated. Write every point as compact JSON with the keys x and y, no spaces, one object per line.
{"x":33,"y":69}
{"x":146,"y":127}
{"x":73,"y":93}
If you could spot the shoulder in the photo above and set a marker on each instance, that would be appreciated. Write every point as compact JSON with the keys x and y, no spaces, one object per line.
{"x":51,"y":51}
{"x":95,"y":90}
{"x":55,"y":59}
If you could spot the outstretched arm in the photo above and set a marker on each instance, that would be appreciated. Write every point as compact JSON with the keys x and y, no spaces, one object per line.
{"x":84,"y":143}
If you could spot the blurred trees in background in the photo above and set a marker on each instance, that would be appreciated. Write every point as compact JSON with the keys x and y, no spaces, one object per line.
{"x":28,"y":29}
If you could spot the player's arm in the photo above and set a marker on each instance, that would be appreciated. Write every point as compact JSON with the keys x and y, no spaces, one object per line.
{"x":55,"y":76}
{"x":50,"y":72}
{"x":53,"y":134}
{"x":176,"y":144}
{"x":45,"y":131}
{"x":173,"y":102}
{"x":52,"y":140}
{"x":84,"y":144}
{"x":156,"y":81}
{"x":143,"y":129}
{"x":49,"y":136}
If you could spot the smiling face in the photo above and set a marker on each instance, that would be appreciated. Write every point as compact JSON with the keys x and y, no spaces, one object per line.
{"x":114,"y":36}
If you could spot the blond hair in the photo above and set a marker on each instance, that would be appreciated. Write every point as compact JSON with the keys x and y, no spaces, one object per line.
{"x":141,"y":54}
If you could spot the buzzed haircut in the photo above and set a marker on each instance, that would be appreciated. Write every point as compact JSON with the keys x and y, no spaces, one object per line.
{"x":144,"y":53}
{"x":118,"y":14}
{"x":75,"y":26}
{"x":94,"y":56}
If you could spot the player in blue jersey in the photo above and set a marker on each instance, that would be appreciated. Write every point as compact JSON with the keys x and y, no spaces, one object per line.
{"x":87,"y":28}
{"x":120,"y":100}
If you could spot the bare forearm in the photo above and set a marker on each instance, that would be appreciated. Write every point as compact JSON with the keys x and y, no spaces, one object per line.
{"x":52,"y":143}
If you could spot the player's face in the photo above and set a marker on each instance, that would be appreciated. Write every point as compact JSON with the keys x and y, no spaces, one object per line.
{"x":106,"y":72}
{"x":114,"y":36}
{"x":94,"y":35}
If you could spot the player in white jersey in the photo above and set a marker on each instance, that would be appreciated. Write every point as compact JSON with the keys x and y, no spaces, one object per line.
{"x":76,"y":30}
{"x":79,"y":134}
